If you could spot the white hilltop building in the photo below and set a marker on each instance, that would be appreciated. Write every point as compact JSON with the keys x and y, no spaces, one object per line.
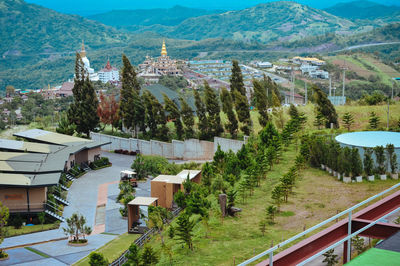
{"x":93,"y":76}
{"x":109,"y":73}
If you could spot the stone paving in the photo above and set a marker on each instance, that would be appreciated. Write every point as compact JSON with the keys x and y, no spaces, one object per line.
{"x":87,"y":195}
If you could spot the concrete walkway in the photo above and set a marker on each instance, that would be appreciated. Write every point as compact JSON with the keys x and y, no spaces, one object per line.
{"x":92,"y":195}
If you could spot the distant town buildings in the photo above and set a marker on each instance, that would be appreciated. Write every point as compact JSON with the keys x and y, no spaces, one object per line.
{"x":308,"y":60}
{"x":153,"y":68}
{"x":263,"y":64}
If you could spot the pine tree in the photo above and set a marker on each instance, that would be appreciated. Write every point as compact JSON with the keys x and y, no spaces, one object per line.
{"x":64,"y":126}
{"x":213,"y":111}
{"x":325,"y":107}
{"x":269,"y":135}
{"x":131,"y":107}
{"x":149,"y":256}
{"x":236,"y":80}
{"x":184,"y":229}
{"x":174,"y":115}
{"x":348,"y":120}
{"x":201,"y":114}
{"x":242,"y":109}
{"x":319,"y":120}
{"x":392,"y":157}
{"x":155,"y":117}
{"x":227,"y":108}
{"x":83,"y":111}
{"x":330,"y":258}
{"x":260,"y":95}
{"x":188,"y":118}
{"x":270,"y":213}
{"x":368,"y":161}
{"x":373,"y":120}
{"x":356,"y":163}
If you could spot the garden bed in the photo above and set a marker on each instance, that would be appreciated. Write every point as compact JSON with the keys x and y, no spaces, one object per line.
{"x":80,"y":243}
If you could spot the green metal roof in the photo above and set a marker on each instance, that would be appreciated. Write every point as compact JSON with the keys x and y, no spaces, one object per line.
{"x":376,"y":257}
{"x":29,"y":179}
{"x":51,"y":137}
{"x":15,"y":145}
{"x":38,"y":164}
{"x":22,"y":156}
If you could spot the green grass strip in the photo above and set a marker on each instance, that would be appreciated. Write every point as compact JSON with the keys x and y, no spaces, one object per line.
{"x":37,"y":252}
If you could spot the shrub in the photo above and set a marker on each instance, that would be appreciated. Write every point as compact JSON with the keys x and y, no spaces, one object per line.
{"x":97,"y":259}
{"x":103,"y":161}
{"x":17,"y":221}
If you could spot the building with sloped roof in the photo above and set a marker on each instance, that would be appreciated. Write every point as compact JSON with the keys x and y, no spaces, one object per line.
{"x":164,"y":187}
{"x":29,"y":168}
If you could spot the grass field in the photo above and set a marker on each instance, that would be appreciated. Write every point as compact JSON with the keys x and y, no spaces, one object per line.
{"x":11,"y":231}
{"x":316,"y":197}
{"x":360,"y":113}
{"x":113,"y":249}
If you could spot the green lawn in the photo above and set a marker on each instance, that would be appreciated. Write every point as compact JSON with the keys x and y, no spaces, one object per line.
{"x":113,"y":249}
{"x":30,"y":229}
{"x":317,"y":196}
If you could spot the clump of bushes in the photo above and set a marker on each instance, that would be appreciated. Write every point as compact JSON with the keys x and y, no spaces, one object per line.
{"x":103,"y":161}
{"x":155,"y":165}
{"x":126,"y":152}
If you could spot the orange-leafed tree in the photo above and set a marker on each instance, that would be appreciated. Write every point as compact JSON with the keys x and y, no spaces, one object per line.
{"x":108,"y":110}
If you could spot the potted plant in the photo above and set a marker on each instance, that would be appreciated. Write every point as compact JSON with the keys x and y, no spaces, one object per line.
{"x":356,"y":165}
{"x":392,"y":161}
{"x":368,"y":164}
{"x":380,"y":161}
{"x":77,"y":230}
{"x":345,"y":163}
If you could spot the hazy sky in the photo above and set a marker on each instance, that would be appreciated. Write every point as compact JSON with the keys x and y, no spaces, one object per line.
{"x":85,"y":7}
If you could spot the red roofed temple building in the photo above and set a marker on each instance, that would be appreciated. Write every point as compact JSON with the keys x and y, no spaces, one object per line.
{"x":109,"y":74}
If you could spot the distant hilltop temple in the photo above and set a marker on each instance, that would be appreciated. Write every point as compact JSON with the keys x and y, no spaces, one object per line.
{"x":107,"y":74}
{"x":92,"y":75}
{"x":152,"y":69}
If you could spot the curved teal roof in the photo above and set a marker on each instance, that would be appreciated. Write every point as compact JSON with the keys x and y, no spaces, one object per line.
{"x":370,"y":139}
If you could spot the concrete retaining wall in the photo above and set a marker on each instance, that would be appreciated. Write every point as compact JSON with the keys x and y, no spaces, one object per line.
{"x":190,"y":149}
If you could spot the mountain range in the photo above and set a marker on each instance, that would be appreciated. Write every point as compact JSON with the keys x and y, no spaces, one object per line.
{"x":90,"y":7}
{"x":365,"y":10}
{"x":147,"y":17}
{"x":38,"y":44}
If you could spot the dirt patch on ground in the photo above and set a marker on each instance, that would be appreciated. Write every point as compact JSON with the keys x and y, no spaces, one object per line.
{"x":319,"y":196}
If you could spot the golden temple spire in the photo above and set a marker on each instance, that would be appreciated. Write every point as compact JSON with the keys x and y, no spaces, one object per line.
{"x":83,"y":52}
{"x":163,"y":49}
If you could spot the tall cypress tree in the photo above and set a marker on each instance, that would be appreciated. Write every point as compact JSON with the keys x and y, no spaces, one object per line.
{"x":260,"y":95}
{"x":187,"y":117}
{"x":242,"y":109}
{"x":272,"y":91}
{"x":227,"y":108}
{"x":236,"y":80}
{"x":325,"y":107}
{"x":201,"y":114}
{"x":131,"y":107}
{"x":213,"y":110}
{"x":83,"y":111}
{"x":155,"y":117}
{"x":174,"y":115}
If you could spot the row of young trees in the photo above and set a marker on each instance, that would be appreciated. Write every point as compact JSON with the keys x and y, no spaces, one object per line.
{"x":348,"y":162}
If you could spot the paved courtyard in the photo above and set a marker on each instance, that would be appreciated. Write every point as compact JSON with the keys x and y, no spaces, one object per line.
{"x":92,"y":195}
